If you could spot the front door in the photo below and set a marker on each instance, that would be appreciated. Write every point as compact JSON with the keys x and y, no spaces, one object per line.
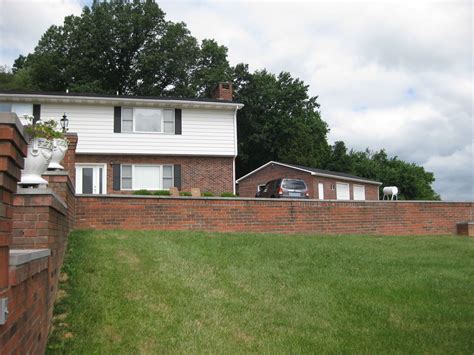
{"x":90,"y":179}
{"x":321,"y":191}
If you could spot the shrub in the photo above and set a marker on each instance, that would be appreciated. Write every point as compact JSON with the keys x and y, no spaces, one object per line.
{"x":207,"y":194}
{"x":185,"y":193}
{"x":227,"y":194}
{"x":142,"y":192}
{"x":162,"y":193}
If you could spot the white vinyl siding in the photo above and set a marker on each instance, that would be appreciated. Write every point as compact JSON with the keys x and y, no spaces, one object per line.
{"x":342,"y":191}
{"x":148,"y":177}
{"x":359,"y":192}
{"x":204,"y":132}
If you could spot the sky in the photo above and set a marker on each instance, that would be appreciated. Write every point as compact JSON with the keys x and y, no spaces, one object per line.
{"x":394,"y":75}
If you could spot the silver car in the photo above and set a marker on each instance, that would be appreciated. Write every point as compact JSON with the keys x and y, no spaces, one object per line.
{"x":283,"y":188}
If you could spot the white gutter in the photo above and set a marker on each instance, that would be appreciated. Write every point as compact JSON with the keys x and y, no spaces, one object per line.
{"x":41,"y":98}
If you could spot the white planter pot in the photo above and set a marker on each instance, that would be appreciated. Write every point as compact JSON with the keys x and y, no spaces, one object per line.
{"x":59,"y":151}
{"x":39,"y":155}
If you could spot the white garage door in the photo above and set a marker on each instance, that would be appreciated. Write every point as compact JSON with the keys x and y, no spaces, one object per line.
{"x":359,"y":192}
{"x":342,"y":191}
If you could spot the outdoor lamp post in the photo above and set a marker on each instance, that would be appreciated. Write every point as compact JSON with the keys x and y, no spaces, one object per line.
{"x":64,"y":123}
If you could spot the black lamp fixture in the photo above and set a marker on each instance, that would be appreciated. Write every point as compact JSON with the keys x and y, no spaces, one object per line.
{"x":64,"y":123}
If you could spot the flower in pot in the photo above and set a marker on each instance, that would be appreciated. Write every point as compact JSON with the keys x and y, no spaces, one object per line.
{"x":40,"y":149}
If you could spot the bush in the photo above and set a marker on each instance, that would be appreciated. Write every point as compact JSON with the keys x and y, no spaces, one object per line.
{"x":142,"y":192}
{"x":185,"y":193}
{"x":227,"y":194}
{"x":207,"y":194}
{"x":162,"y":193}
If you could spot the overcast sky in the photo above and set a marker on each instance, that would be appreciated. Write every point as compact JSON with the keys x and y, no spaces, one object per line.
{"x":394,"y":75}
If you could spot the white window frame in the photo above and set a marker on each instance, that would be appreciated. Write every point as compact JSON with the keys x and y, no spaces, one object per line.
{"x":348,"y":190}
{"x":160,"y":182}
{"x":86,"y":165}
{"x":162,"y":124}
{"x":353,"y":192}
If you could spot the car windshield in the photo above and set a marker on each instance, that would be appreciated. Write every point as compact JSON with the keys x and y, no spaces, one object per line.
{"x":294,"y":184}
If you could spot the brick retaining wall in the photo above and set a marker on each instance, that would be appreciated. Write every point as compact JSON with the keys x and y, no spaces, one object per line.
{"x":276,"y":216}
{"x":34,"y":225}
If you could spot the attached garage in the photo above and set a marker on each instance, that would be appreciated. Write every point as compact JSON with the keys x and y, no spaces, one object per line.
{"x":342,"y":191}
{"x":359,"y":192}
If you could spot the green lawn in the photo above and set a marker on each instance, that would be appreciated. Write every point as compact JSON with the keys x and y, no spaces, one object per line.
{"x":189,"y":292}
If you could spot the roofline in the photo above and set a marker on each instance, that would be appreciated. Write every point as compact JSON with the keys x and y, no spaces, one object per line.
{"x":111,"y":100}
{"x":309,"y":172}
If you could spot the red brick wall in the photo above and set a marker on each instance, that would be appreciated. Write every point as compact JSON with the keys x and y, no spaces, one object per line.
{"x":276,"y":216}
{"x":40,"y":219}
{"x":13,"y":148}
{"x":69,"y":160}
{"x":30,"y":219}
{"x":26,"y":331}
{"x":248,"y":186}
{"x":60,"y":182}
{"x":214,"y":174}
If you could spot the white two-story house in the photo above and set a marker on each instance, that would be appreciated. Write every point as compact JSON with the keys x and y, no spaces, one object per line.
{"x":128,"y":143}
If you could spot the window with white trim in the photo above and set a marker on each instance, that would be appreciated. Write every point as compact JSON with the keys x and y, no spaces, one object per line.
{"x":148,"y":120}
{"x":149,"y":177}
{"x":21,"y":110}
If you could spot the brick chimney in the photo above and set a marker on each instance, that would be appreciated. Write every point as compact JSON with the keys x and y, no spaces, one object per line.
{"x":223,"y":91}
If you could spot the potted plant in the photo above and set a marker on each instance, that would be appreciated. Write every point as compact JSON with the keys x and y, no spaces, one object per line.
{"x":60,"y":145}
{"x":40,"y":149}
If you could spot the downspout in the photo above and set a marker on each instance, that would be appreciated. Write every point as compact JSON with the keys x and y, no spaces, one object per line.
{"x":235,"y":151}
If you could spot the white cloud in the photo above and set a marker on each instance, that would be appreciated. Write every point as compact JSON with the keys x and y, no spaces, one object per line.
{"x":394,"y":75}
{"x":23,"y":22}
{"x":458,"y":186}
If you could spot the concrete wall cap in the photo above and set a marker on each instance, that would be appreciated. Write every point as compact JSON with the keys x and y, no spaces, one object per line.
{"x":23,"y":256}
{"x":56,"y":172}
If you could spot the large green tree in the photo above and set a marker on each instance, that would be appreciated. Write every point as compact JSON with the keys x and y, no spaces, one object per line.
{"x":127,"y":48}
{"x":130,"y":48}
{"x":412,"y":180}
{"x":279,"y":121}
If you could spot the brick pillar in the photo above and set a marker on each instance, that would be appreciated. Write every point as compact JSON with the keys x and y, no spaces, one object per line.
{"x":69,"y":161}
{"x":13,"y":149}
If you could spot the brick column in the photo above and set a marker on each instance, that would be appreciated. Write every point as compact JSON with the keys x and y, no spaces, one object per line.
{"x":69,"y":161}
{"x":13,"y":149}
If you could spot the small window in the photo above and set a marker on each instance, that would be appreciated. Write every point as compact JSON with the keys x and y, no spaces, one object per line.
{"x":127,"y":120}
{"x":127,"y":177}
{"x":168,"y":121}
{"x":146,"y":177}
{"x":333,"y":187}
{"x":5,"y":107}
{"x":149,"y":177}
{"x":21,"y":110}
{"x":167,"y":176}
{"x":148,"y":120}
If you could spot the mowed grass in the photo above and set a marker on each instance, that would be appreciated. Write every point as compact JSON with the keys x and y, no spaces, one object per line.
{"x":196,"y":292}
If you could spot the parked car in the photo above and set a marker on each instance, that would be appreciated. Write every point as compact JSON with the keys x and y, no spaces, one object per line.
{"x":283,"y":188}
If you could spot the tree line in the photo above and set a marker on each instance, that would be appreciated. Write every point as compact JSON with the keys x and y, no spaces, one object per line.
{"x":130,"y":48}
